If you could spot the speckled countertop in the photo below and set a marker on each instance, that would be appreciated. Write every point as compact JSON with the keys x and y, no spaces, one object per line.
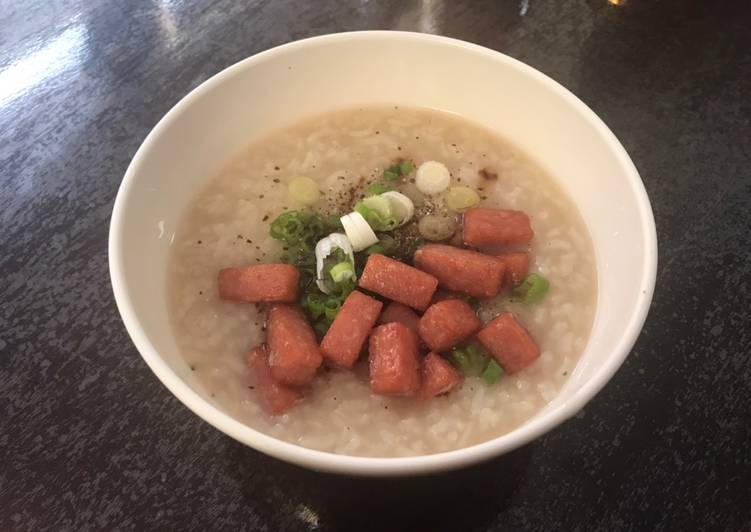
{"x":89,"y":438}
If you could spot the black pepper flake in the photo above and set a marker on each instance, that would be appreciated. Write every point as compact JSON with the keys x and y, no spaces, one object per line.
{"x":276,"y":180}
{"x":200,"y":242}
{"x":285,"y":248}
{"x":200,"y":292}
{"x":565,"y":373}
{"x":240,"y":237}
{"x":265,"y":218}
{"x":399,"y":148}
{"x":248,"y":240}
{"x":258,"y":259}
{"x":341,"y":177}
{"x":453,"y":145}
{"x":212,"y":394}
{"x":483,"y":197}
{"x":487,"y":173}
{"x":378,"y":132}
{"x":251,"y":387}
{"x":260,"y":196}
{"x":417,"y":138}
{"x":258,"y":247}
{"x":276,"y":168}
{"x":335,"y":398}
{"x":192,"y":367}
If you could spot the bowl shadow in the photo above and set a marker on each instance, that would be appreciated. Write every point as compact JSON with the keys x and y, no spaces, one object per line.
{"x":292,"y":498}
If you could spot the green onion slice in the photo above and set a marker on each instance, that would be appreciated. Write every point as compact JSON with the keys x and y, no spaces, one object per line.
{"x":533,"y":289}
{"x":491,"y":373}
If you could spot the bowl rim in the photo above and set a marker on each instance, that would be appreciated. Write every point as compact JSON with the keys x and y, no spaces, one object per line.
{"x":382,"y":466}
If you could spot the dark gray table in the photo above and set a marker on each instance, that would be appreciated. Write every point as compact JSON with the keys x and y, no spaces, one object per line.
{"x":90,"y":440}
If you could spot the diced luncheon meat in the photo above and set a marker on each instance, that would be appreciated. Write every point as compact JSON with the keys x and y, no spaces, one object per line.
{"x":396,"y":312}
{"x":438,"y":376}
{"x":462,"y":270}
{"x":447,"y":324}
{"x":294,"y":355}
{"x":276,"y":397}
{"x":345,"y":338}
{"x":393,"y":360}
{"x":517,"y":267}
{"x":492,"y":227}
{"x":509,"y":343}
{"x":262,"y":283}
{"x":398,"y":281}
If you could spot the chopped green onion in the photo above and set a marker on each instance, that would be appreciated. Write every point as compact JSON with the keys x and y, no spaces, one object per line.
{"x":321,"y":328}
{"x":331,"y":308}
{"x":375,"y":249}
{"x":405,"y":167}
{"x":342,"y":271}
{"x":478,"y":357}
{"x":470,"y":360}
{"x":461,"y":360}
{"x":332,"y":222}
{"x":378,"y":188}
{"x":377,"y":218}
{"x":532,"y":290}
{"x":300,"y":229}
{"x":380,"y":204}
{"x":315,"y":303}
{"x":491,"y":373}
{"x":391,"y":173}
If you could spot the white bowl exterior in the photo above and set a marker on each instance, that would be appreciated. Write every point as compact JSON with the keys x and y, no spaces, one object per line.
{"x":284,"y":84}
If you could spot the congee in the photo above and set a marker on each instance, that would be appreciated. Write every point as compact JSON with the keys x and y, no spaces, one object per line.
{"x":382,"y":281}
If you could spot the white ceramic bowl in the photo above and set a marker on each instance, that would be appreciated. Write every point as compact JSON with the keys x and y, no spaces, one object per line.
{"x":278,"y":86}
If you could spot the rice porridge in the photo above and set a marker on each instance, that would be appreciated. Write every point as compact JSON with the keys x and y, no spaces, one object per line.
{"x":228,"y":225}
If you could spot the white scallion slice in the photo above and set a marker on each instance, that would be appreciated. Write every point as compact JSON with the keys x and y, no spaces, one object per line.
{"x":432,"y":177}
{"x":304,"y":190}
{"x":401,"y":206}
{"x":380,"y":204}
{"x":358,"y":231}
{"x":459,"y":199}
{"x":434,"y":227}
{"x":324,"y":248}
